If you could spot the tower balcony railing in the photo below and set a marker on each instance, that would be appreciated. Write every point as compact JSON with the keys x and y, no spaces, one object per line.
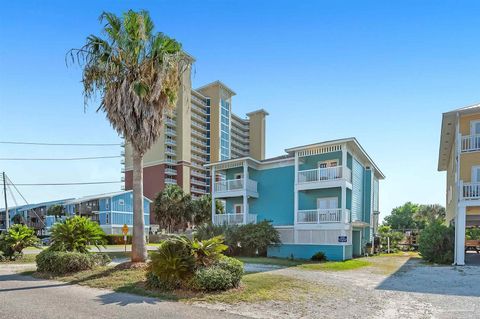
{"x":325,"y":174}
{"x":471,"y":143}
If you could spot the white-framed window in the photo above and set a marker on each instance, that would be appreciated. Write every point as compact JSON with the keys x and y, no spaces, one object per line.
{"x":475,"y":127}
{"x":238,"y":208}
{"x":476,"y":174}
{"x":324,"y":164}
{"x":238,"y":176}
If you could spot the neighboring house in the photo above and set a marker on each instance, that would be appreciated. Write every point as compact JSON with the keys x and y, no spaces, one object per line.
{"x":459,"y":155}
{"x":111,"y":210}
{"x":202,"y":129}
{"x":320,"y":197}
{"x":33,"y":215}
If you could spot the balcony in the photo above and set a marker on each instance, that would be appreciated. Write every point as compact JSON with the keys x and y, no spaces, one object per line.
{"x":170,"y":181}
{"x":233,"y":219}
{"x":170,"y":122}
{"x":471,"y":190}
{"x":323,"y":216}
{"x":198,"y":190}
{"x":170,"y":171}
{"x":170,"y":132}
{"x":170,"y":151}
{"x":470,"y":143}
{"x":170,"y":141}
{"x":235,"y":187}
{"x":324,"y":177}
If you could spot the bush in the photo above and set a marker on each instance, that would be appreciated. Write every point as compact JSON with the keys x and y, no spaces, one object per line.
{"x":172,"y":263}
{"x":75,"y":234}
{"x":212,"y":279}
{"x":209,"y":230}
{"x":232,"y":266}
{"x":117,"y":240}
{"x":17,"y":238}
{"x":59,"y":262}
{"x":153,"y":281}
{"x":320,"y":256}
{"x":436,"y":243}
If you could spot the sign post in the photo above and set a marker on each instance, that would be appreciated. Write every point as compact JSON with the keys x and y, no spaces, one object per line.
{"x":125,"y":232}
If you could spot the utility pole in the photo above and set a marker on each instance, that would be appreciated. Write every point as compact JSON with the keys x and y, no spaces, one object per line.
{"x":7,"y":219}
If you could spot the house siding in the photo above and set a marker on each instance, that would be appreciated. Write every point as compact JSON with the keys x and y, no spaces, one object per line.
{"x":298,"y":251}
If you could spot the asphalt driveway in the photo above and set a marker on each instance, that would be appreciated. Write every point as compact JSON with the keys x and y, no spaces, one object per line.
{"x":27,"y":297}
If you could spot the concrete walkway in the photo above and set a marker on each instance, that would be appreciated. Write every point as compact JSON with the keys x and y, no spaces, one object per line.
{"x":27,"y":297}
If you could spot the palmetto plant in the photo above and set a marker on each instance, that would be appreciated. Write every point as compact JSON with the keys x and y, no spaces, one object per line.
{"x":173,"y":208}
{"x":137,"y":74}
{"x":17,"y":238}
{"x":76,"y":234}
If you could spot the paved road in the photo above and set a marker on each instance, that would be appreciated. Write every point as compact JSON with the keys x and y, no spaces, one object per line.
{"x":27,"y":297}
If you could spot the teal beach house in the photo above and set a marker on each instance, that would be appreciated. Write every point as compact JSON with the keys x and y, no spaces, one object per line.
{"x":320,"y":197}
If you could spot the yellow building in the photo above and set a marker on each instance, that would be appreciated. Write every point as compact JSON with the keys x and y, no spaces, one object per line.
{"x":459,"y":156}
{"x":202,"y":129}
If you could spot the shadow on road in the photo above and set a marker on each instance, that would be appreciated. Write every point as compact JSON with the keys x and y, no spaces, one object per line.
{"x":418,"y":277}
{"x":14,"y":277}
{"x":124,"y":299}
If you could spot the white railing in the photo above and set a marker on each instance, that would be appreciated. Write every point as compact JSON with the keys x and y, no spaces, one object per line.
{"x":169,"y":141}
{"x":198,"y":189}
{"x":200,"y":126}
{"x":471,"y":143}
{"x":471,"y":190}
{"x":170,"y":151}
{"x":199,"y":133}
{"x":169,"y":131}
{"x":198,"y":174}
{"x":170,"y":171}
{"x":196,"y":181}
{"x":235,"y":185}
{"x":170,"y":122}
{"x":324,"y":174}
{"x":321,"y":216}
{"x":170,"y":181}
{"x":233,"y":219}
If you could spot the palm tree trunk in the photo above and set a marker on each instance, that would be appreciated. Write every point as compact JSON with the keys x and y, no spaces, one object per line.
{"x":139,"y":251}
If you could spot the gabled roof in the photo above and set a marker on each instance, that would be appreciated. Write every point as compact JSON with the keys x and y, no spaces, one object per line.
{"x":100,"y":196}
{"x":447,"y":135}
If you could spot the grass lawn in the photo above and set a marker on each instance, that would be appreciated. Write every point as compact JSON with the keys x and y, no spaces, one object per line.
{"x":254,"y":287}
{"x":272,"y":261}
{"x":337,"y":265}
{"x":26,"y":259}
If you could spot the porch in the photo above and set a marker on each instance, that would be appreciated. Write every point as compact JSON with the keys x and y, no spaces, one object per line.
{"x":234,"y":219}
{"x":323,"y":216}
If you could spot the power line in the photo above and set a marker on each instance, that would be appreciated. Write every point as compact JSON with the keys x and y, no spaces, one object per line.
{"x":60,"y":144}
{"x":66,"y":184}
{"x":58,"y":159}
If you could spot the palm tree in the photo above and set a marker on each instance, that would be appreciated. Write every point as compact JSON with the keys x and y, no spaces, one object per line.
{"x":173,"y":208}
{"x":137,"y":74}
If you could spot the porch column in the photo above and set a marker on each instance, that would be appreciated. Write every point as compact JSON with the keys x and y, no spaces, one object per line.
{"x":460,"y":235}
{"x":295,"y":191}
{"x":344,"y":188}
{"x":212,"y":177}
{"x":245,"y":196}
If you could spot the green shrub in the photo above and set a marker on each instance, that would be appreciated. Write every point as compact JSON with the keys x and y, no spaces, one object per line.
{"x":232,"y":266}
{"x":254,"y":239}
{"x":212,"y":279}
{"x":472,"y":233}
{"x":172,"y":263}
{"x":436,"y":243}
{"x":387,"y":235}
{"x":117,"y":240}
{"x":154,"y":282}
{"x":59,"y":262}
{"x":76,"y":234}
{"x":208,"y":230}
{"x":17,"y":238}
{"x":320,"y":256}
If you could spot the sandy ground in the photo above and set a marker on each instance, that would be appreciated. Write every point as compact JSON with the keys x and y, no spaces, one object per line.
{"x":393,"y":287}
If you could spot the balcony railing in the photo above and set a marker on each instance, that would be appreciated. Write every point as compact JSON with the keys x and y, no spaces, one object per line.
{"x":170,"y":171}
{"x":170,"y":181}
{"x":324,"y":174}
{"x":471,"y":190}
{"x":235,"y":185}
{"x":171,"y":132}
{"x":233,"y":219}
{"x":322,"y":216}
{"x":471,"y":143}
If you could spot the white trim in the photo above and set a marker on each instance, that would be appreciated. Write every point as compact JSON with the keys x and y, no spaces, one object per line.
{"x":235,"y":208}
{"x":238,"y":176}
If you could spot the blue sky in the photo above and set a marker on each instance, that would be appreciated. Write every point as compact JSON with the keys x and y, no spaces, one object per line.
{"x":382,"y":71}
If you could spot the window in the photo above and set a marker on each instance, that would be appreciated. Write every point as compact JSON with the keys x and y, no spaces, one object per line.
{"x":238,"y":208}
{"x":238,"y":176}
{"x":475,"y":174}
{"x":107,"y":218}
{"x":121,"y":202}
{"x":475,"y":128}
{"x":327,"y":203}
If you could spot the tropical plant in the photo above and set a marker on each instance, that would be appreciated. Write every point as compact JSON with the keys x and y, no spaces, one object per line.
{"x":17,"y":238}
{"x":137,"y":74}
{"x":253,"y":239}
{"x":209,"y":230}
{"x":428,"y":214}
{"x":202,"y":209}
{"x":207,"y":252}
{"x":56,"y":210}
{"x":436,"y":243}
{"x":212,"y":279}
{"x":75,"y":234}
{"x":173,"y":208}
{"x":172,"y":263}
{"x":319,"y":256}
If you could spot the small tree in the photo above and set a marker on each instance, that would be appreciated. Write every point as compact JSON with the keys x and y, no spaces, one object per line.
{"x":436,"y":243}
{"x":428,"y":214}
{"x":75,"y":234}
{"x":402,"y":217}
{"x":56,"y":210}
{"x":15,"y":240}
{"x":389,"y":237}
{"x":202,"y":209}
{"x":173,"y":208}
